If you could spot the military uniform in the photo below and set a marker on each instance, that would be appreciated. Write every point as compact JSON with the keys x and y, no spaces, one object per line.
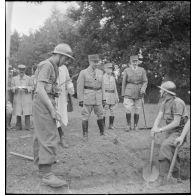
{"x":46,"y":134}
{"x":170,"y":108}
{"x":134,"y":82}
{"x":111,"y":95}
{"x":22,"y":103}
{"x":90,"y":91}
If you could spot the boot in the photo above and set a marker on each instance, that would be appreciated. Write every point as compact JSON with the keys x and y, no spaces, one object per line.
{"x":61,"y":143}
{"x":111,"y":121}
{"x":51,"y":180}
{"x":8,"y":121}
{"x":27,"y":122}
{"x":128,"y":117}
{"x":85,"y":130}
{"x":18,"y":123}
{"x":100,"y":123}
{"x":136,"y":119}
{"x":104,"y":119}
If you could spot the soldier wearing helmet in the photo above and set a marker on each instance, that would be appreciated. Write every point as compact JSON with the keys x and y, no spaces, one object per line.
{"x":134,"y":85}
{"x":173,"y":111}
{"x":91,"y":94}
{"x":45,"y":114}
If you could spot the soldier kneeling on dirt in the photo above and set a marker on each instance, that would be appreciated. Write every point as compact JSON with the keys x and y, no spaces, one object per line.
{"x":173,"y":111}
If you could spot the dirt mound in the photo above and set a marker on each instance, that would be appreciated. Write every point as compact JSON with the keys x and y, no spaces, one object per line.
{"x":105,"y":156}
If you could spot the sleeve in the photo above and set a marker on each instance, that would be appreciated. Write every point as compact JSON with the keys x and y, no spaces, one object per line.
{"x":44,"y":73}
{"x":115,"y":91}
{"x":103,"y":89}
{"x":178,"y":108}
{"x":30,"y":86}
{"x":80,"y":86}
{"x":145,"y":81}
{"x":124,"y":83}
{"x":13,"y":84}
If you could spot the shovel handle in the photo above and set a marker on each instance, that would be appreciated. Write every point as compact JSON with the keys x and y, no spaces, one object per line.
{"x":173,"y":162}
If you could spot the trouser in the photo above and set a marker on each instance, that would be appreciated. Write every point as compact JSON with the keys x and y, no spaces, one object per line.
{"x":87,"y":109}
{"x":132,"y":105}
{"x":166,"y":153}
{"x":19,"y":122}
{"x":109,"y":107}
{"x":45,"y":134}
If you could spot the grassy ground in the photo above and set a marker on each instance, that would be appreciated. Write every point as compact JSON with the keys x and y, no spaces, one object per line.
{"x":99,"y":166}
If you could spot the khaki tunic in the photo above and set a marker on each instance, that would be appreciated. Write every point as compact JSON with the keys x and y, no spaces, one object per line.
{"x":22,"y":102}
{"x":46,"y":134}
{"x":134,"y":80}
{"x":109,"y":86}
{"x":91,"y":78}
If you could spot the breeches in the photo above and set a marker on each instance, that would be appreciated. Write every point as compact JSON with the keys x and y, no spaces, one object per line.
{"x":109,"y":107}
{"x":87,"y":109}
{"x":166,"y":153}
{"x":132,"y":105}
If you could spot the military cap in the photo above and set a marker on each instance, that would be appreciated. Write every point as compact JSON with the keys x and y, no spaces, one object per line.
{"x":132,"y":58}
{"x":108,"y":65}
{"x":94,"y":57}
{"x":21,"y":66}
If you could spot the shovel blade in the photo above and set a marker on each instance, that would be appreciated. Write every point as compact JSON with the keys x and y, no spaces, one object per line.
{"x":150,"y":174}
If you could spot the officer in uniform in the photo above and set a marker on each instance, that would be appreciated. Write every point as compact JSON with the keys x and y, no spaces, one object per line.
{"x":22,"y":87}
{"x":111,"y":93}
{"x":45,"y":114}
{"x":173,"y":111}
{"x":133,"y":89}
{"x":91,"y":94}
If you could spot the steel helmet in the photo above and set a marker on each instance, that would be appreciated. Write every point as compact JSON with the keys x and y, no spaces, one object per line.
{"x":169,"y":87}
{"x":63,"y":49}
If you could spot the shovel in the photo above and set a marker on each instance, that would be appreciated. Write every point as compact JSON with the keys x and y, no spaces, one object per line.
{"x":172,"y":163}
{"x":151,"y":173}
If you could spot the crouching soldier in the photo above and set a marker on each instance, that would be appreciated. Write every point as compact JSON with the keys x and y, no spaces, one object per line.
{"x":173,"y":111}
{"x":133,"y":89}
{"x":91,"y":94}
{"x":111,"y":93}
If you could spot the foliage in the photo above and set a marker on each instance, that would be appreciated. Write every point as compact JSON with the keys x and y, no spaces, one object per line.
{"x":116,"y":30}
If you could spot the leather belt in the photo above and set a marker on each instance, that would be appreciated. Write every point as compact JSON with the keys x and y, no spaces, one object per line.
{"x":109,"y":91}
{"x":134,"y":83}
{"x":92,"y":88}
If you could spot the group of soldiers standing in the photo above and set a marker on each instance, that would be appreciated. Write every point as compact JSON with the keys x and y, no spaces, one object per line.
{"x":96,"y":91}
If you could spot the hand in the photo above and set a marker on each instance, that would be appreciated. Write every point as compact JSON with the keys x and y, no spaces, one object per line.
{"x":103,"y":102}
{"x":179,"y":141}
{"x":142,"y":93}
{"x":155,"y":130}
{"x":81,"y":104}
{"x":55,"y":115}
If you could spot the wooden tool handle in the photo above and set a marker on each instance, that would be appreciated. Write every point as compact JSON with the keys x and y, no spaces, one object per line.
{"x":151,"y":152}
{"x":173,"y":162}
{"x":22,"y":156}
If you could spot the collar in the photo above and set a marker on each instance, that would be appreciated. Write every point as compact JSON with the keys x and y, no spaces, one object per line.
{"x":134,"y":68}
{"x":90,"y":69}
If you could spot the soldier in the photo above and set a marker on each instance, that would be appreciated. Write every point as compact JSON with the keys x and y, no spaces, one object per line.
{"x":91,"y":94}
{"x":111,"y":93}
{"x":133,"y":89}
{"x":45,"y":114}
{"x":174,"y":112}
{"x":9,"y":108}
{"x":22,"y":87}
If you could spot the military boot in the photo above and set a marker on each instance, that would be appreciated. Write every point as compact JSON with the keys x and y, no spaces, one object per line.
{"x":136,"y":119}
{"x":85,"y":130}
{"x":51,"y":180}
{"x":104,"y":119}
{"x":128,"y":117}
{"x":27,"y":122}
{"x":100,"y":123}
{"x":111,"y":121}
{"x":61,"y":143}
{"x":18,"y":123}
